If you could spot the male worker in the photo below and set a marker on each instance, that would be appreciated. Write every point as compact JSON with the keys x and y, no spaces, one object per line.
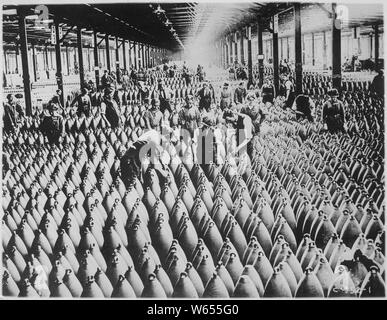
{"x":13,"y":112}
{"x":205,"y":97}
{"x":165,"y":96}
{"x":109,"y":108}
{"x":240,"y":94}
{"x":377,"y":85}
{"x":333,"y":113}
{"x":52,"y":125}
{"x":83,"y":103}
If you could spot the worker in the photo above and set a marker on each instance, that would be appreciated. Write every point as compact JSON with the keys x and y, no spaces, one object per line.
{"x":333,"y":113}
{"x":146,"y":149}
{"x":83,"y":103}
{"x":225,"y":97}
{"x":205,"y":96}
{"x":153,"y":117}
{"x":187,"y":75}
{"x":106,"y":79}
{"x":240,"y":94}
{"x":109,"y":108}
{"x":289,"y":91}
{"x":12,"y":115}
{"x":256,"y":115}
{"x":377,"y":85}
{"x":304,"y":107}
{"x":133,"y":75}
{"x":165,"y":96}
{"x":200,"y":73}
{"x":52,"y":125}
{"x":141,"y":75}
{"x":144,"y":91}
{"x":57,"y":98}
{"x":252,"y":109}
{"x":268,"y":92}
{"x":210,"y":147}
{"x":189,"y":116}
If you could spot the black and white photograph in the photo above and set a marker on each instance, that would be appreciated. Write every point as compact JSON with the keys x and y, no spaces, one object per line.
{"x":193,"y":150}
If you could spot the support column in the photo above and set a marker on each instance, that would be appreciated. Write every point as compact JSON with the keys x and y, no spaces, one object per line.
{"x":52,"y":63}
{"x":249,"y":57}
{"x":145,"y":49}
{"x":130,"y":62}
{"x":225,"y":54}
{"x":58,"y":59}
{"x":117,"y":53}
{"x":17,"y":58}
{"x":325,"y":58}
{"x":222,"y":52}
{"x":117,"y":57}
{"x":275,"y":58}
{"x":287,"y":49}
{"x":236,"y":47}
{"x":34,"y":62}
{"x":225,"y":62}
{"x":260,"y":54}
{"x":80,"y":57}
{"x":124,"y":52}
{"x":5,"y":62}
{"x":242,"y":42}
{"x":107,"y":43}
{"x":298,"y":47}
{"x":336,"y":49}
{"x":228,"y":52}
{"x":88,"y":60}
{"x":149,"y":57}
{"x":376,"y":27}
{"x":46,"y":58}
{"x":139,"y":59}
{"x":24,"y":58}
{"x":313,"y":52}
{"x":135,"y":55}
{"x":67,"y":60}
{"x":96,"y":62}
{"x":139,"y":50}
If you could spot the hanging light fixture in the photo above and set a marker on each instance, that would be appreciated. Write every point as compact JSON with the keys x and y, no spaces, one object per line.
{"x":159,"y":10}
{"x":164,"y":19}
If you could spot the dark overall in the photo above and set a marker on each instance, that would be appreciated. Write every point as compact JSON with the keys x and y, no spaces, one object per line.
{"x":333,"y":114}
{"x":52,"y":127}
{"x":267,"y":94}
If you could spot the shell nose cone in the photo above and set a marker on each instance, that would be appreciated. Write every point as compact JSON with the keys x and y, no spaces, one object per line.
{"x":277,"y":286}
{"x":215,"y":288}
{"x":245,"y":288}
{"x":153,"y":288}
{"x":185,"y":288}
{"x":309,"y":286}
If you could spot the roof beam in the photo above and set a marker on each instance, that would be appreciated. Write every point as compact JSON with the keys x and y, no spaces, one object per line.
{"x":67,"y":32}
